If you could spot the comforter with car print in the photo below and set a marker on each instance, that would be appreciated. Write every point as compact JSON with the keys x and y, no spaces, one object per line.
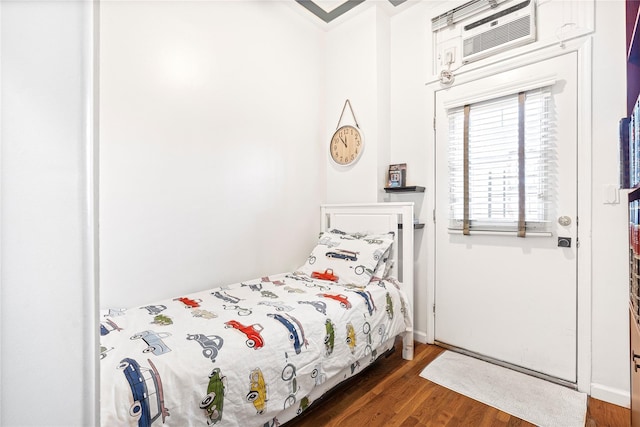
{"x":255,"y":353}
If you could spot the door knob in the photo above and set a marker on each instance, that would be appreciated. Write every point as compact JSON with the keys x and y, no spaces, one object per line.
{"x":564,"y":220}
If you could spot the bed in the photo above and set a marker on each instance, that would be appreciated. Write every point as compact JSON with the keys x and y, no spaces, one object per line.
{"x":260,"y":352}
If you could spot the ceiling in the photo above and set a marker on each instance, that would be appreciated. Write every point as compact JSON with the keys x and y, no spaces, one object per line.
{"x":328,"y":10}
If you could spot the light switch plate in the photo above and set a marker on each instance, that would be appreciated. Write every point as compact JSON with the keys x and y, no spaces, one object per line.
{"x":611,"y":194}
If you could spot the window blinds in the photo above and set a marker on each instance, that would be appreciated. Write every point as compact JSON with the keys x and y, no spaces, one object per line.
{"x":501,"y":164}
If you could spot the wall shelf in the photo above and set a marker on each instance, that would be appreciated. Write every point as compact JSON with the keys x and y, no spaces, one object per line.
{"x":416,"y":226}
{"x":407,"y":189}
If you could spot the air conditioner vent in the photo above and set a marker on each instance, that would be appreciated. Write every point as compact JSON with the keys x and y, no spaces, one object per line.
{"x":497,"y":36}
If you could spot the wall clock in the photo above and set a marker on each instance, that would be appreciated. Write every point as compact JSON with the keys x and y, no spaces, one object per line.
{"x":347,"y":142}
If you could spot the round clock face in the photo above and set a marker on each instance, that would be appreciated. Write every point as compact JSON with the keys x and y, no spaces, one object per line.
{"x":346,"y":145}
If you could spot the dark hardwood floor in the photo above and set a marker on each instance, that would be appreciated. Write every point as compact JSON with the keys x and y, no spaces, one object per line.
{"x":391,"y":393}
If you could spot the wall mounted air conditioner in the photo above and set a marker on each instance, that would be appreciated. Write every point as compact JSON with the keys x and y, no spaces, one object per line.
{"x":480,"y":28}
{"x":506,"y":26}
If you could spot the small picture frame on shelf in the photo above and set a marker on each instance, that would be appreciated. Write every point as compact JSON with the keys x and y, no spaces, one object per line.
{"x":397,"y":175}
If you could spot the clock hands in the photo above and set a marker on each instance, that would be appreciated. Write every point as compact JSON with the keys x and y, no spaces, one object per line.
{"x":343,"y":141}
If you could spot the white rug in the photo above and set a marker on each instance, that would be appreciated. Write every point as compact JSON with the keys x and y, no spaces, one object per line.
{"x":534,"y":400}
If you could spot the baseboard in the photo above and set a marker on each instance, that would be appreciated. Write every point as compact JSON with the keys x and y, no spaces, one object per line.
{"x":421,"y":337}
{"x":612,"y":395}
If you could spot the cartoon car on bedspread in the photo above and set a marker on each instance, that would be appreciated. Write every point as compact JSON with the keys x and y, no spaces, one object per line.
{"x":242,"y":311}
{"x":268,"y":294}
{"x":154,"y":341}
{"x":389,"y":307}
{"x":330,"y":337}
{"x":258,"y":391}
{"x":224,"y":296}
{"x":188,"y":302}
{"x":211,"y":344}
{"x":297,"y":275}
{"x":147,"y":391}
{"x":320,"y":306}
{"x":154,"y":309}
{"x":252,"y":332}
{"x":327,"y":274}
{"x":278,"y":305}
{"x":318,"y":374}
{"x":203,"y":314}
{"x":342,"y":299}
{"x":343,"y":254}
{"x":108,"y":326}
{"x":289,"y":375}
{"x":213,"y":402}
{"x":256,"y":287}
{"x":368,"y":298}
{"x":297,"y":339}
{"x":351,"y":337}
{"x":304,"y":404}
{"x":162,"y":320}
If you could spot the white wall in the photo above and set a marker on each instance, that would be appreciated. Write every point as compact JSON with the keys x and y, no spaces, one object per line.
{"x":610,"y":301}
{"x":603,"y":226}
{"x":212,"y":144}
{"x":357,"y":64}
{"x":47,"y":311}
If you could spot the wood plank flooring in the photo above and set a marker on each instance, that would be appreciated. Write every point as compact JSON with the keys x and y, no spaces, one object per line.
{"x":392,"y":393}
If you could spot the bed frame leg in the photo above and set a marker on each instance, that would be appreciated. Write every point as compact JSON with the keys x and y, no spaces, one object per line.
{"x":407,"y":345}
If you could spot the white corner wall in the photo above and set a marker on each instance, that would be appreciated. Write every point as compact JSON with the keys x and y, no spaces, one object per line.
{"x":212,"y":158}
{"x":48,"y":322}
{"x":411,"y":129}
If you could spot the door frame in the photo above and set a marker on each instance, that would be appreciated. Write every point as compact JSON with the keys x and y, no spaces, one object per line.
{"x":583,"y":47}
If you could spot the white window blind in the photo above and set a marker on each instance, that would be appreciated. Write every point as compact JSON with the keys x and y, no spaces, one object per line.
{"x":501,"y":164}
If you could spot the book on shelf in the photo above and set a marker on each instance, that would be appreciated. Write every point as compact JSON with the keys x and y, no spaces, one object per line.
{"x":397,"y":175}
{"x":625,"y":169}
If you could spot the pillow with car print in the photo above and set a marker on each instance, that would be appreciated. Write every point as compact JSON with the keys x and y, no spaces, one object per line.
{"x":353,"y":257}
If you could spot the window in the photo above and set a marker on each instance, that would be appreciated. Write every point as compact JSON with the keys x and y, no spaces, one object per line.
{"x":501,"y":164}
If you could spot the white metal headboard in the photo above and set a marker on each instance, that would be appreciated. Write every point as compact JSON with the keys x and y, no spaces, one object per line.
{"x":381,"y":218}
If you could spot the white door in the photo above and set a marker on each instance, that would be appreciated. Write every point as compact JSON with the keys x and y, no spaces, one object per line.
{"x":505,"y":297}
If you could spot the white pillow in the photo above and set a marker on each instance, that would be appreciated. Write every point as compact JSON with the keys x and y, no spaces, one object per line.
{"x":354,"y":258}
